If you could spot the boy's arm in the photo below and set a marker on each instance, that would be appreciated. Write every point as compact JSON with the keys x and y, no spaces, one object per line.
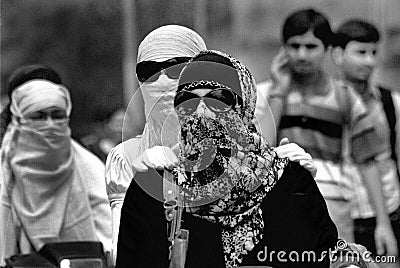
{"x":277,"y":105}
{"x":280,"y":85}
{"x":384,"y":236}
{"x":366,"y":145}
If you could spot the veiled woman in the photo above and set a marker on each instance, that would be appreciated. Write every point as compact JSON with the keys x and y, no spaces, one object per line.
{"x":52,"y":189}
{"x":239,"y":195}
{"x":162,"y":54}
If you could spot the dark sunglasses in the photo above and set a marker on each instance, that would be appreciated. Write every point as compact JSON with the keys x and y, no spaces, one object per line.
{"x":218,"y":100}
{"x":149,"y":71}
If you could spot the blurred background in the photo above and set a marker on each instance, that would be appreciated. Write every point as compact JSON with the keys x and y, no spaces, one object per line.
{"x":93,"y":43}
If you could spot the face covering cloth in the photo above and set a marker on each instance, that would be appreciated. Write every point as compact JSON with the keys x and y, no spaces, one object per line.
{"x":226,"y":167}
{"x":162,"y":44}
{"x":38,"y":164}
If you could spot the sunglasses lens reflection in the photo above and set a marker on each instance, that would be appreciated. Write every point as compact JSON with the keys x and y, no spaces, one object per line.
{"x":173,"y":72}
{"x":219,"y":101}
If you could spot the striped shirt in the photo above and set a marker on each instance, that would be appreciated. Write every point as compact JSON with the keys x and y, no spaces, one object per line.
{"x":321,"y":125}
{"x":362,"y":207}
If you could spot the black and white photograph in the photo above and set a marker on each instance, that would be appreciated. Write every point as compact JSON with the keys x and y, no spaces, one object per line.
{"x":200,"y":133}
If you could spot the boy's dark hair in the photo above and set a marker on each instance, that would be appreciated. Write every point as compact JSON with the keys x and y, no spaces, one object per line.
{"x":302,"y":21}
{"x":356,"y":30}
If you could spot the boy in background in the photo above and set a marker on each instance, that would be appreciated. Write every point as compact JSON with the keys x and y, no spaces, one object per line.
{"x":355,"y":51}
{"x":314,"y":110}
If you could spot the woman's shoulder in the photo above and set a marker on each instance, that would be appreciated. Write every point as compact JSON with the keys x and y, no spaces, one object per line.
{"x":126,"y":151}
{"x":83,"y":155}
{"x":119,"y":172}
{"x":87,"y":164}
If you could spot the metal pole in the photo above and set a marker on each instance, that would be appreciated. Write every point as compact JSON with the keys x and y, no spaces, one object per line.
{"x":129,"y":48}
{"x":135,"y":118}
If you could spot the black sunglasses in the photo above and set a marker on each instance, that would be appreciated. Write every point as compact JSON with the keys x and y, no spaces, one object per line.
{"x":219,"y":100}
{"x":149,"y":71}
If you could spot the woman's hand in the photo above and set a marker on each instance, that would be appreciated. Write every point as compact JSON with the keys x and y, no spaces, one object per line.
{"x":157,"y":157}
{"x":297,"y":154}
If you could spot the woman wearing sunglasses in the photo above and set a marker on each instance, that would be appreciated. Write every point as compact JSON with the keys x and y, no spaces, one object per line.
{"x":52,"y":189}
{"x":239,"y":196}
{"x":161,"y":57}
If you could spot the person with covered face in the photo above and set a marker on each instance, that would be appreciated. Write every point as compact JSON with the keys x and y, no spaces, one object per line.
{"x":240,"y":198}
{"x":17,"y":78}
{"x":52,"y":189}
{"x":161,"y":56}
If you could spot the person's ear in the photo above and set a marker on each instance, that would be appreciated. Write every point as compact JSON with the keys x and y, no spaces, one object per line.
{"x":337,"y":54}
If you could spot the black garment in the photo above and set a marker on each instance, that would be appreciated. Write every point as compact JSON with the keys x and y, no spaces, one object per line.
{"x":295,"y":217}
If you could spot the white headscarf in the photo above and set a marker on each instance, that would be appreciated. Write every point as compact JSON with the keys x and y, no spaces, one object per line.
{"x":36,"y":95}
{"x":170,"y":41}
{"x":38,"y":167}
{"x":161,"y":44}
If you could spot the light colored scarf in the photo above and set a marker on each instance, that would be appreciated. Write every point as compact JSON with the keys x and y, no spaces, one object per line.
{"x":161,"y":44}
{"x":170,"y":41}
{"x":39,"y":169}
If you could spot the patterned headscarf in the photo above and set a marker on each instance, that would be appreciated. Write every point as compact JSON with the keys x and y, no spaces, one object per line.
{"x":226,"y":167}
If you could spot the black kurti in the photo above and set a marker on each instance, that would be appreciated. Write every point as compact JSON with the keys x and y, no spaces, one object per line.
{"x":295,"y":216}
